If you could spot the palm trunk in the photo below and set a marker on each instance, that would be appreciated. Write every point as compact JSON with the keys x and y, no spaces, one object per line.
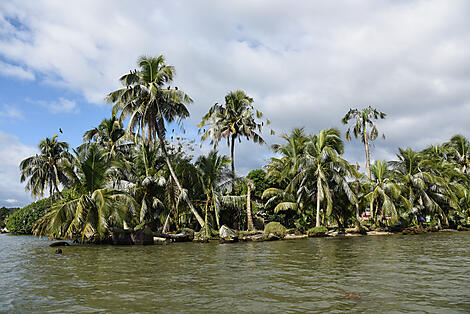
{"x":317,"y":224}
{"x":51,"y":194}
{"x":248,"y":207}
{"x":366,"y":146}
{"x":232,"y":149}
{"x":358,"y":221}
{"x":165,"y":226}
{"x":217,"y":220}
{"x":206,"y":226}
{"x":173,"y":175}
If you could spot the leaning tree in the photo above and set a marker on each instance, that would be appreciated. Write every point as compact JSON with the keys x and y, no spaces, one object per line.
{"x":149,"y":102}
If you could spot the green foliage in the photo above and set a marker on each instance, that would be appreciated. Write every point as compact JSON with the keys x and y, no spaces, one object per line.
{"x":317,"y":231}
{"x":4,"y":212}
{"x":275,"y":228}
{"x":22,"y":220}
{"x":258,"y":177}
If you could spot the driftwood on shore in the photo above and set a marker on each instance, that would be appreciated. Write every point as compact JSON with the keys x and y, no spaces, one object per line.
{"x":175,"y":237}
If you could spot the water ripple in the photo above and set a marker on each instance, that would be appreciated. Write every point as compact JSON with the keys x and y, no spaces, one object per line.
{"x":395,"y":274}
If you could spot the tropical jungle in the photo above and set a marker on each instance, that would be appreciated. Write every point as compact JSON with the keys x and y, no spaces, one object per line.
{"x":134,"y":173}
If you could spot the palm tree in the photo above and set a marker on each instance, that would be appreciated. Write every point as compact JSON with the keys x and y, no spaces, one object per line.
{"x":45,"y":170}
{"x":284,"y":168}
{"x":322,"y":165}
{"x":384,"y":191}
{"x":149,"y":181}
{"x":148,"y":105}
{"x":423,"y":190}
{"x":109,"y":135}
{"x":213,"y":173}
{"x":96,"y":208}
{"x":233,"y":120}
{"x":364,"y":118}
{"x":459,"y":150}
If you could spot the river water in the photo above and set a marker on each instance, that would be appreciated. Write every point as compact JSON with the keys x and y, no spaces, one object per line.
{"x":419,"y":273}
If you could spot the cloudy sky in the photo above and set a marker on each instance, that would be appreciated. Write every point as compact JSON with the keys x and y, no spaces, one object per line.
{"x":304,"y":62}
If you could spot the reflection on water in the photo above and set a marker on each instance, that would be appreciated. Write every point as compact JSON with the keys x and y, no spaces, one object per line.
{"x":427,"y":273}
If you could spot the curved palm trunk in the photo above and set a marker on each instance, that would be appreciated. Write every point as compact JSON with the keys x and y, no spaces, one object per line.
{"x":165,"y":225}
{"x":170,"y":167}
{"x":217,"y":220}
{"x":248,"y":208}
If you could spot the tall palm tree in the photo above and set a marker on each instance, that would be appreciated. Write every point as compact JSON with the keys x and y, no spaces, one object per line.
{"x":149,"y":102}
{"x":384,"y":191}
{"x":363,"y":119}
{"x":96,"y":207}
{"x":45,"y":170}
{"x":322,"y":166}
{"x":233,"y":120}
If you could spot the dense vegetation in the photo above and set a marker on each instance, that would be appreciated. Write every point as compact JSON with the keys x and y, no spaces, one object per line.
{"x":143,"y":174}
{"x":22,"y":220}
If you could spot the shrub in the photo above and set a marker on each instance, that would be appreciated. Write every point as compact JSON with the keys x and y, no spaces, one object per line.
{"x":317,"y":231}
{"x":22,"y":220}
{"x":4,"y":212}
{"x":275,"y":228}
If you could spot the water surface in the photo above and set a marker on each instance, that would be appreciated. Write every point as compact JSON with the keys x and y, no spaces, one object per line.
{"x":419,"y":273}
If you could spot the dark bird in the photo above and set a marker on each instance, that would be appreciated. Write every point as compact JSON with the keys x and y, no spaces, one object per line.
{"x":176,"y":87}
{"x":168,"y":88}
{"x":60,"y":130}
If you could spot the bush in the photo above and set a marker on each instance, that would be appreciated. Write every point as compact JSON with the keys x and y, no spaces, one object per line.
{"x":4,"y":212}
{"x":22,"y":220}
{"x":317,"y":231}
{"x":275,"y":228}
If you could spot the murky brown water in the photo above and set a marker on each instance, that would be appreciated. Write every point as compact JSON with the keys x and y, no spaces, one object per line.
{"x":421,"y":273}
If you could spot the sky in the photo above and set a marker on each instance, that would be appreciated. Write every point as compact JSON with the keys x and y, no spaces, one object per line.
{"x":305,"y":63}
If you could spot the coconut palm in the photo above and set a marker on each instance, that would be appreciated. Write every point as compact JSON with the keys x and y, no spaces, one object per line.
{"x":233,"y":120}
{"x":213,"y":173}
{"x":363,"y":119}
{"x":45,"y":170}
{"x":149,"y":102}
{"x":285,"y":167}
{"x":424,"y":191}
{"x":110,"y":136}
{"x":149,"y":182}
{"x":322,"y":166}
{"x":384,"y":191}
{"x":96,"y":208}
{"x":458,"y":150}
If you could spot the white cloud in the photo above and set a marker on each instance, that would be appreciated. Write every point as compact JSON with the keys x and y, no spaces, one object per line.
{"x":12,"y":152}
{"x":10,"y":112}
{"x":7,"y":69}
{"x":61,"y":106}
{"x":305,"y":63}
